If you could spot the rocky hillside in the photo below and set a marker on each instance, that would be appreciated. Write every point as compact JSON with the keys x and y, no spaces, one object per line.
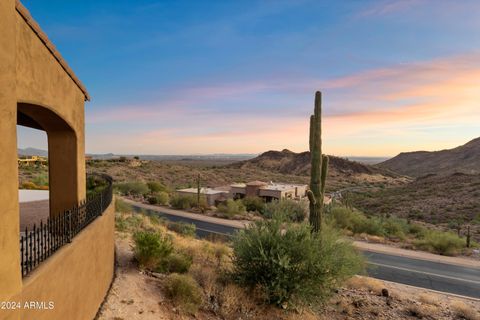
{"x":464,"y":159}
{"x":440,"y":200}
{"x":288,"y":162}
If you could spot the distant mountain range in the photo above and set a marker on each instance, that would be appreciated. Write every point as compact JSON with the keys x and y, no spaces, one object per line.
{"x":462,"y":159}
{"x":32,"y":152}
{"x":288,"y":162}
{"x":214,"y":156}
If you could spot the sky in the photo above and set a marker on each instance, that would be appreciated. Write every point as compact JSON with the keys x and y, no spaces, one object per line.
{"x":200,"y":77}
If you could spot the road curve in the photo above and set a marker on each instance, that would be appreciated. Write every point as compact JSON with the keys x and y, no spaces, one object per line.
{"x":448,"y":278}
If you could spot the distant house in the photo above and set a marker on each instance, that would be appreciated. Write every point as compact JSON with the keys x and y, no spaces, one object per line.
{"x":35,"y":160}
{"x":268,"y":191}
{"x":213,"y":196}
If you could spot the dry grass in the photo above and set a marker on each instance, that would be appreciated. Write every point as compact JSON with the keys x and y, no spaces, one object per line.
{"x":422,"y":311}
{"x":464,"y":311}
{"x":234,"y":301}
{"x":427,"y":298}
{"x":365,"y":283}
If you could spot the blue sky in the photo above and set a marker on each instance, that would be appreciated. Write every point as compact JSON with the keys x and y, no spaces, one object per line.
{"x":181,"y":77}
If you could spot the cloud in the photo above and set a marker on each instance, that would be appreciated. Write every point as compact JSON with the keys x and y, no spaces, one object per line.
{"x":381,"y":8}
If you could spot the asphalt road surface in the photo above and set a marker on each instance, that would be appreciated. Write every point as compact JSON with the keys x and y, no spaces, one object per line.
{"x":415,"y":272}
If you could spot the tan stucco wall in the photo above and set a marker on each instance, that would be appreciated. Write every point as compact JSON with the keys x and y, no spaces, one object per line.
{"x":76,"y":278}
{"x":36,"y":80}
{"x":10,"y":278}
{"x":41,"y":81}
{"x":271,"y":193}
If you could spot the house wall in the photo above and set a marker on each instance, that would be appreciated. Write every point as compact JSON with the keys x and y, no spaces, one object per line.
{"x":10,"y":278}
{"x":76,"y":278}
{"x":277,"y":194}
{"x":235,"y":191}
{"x":47,"y":93}
{"x":301,"y":191}
{"x":33,"y":79}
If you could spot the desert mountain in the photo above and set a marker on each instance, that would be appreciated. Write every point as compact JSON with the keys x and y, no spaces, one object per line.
{"x":463,"y":159}
{"x":288,"y":162}
{"x":32,"y":152}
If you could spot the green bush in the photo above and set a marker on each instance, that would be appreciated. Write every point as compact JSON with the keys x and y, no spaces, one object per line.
{"x":120,"y":223}
{"x":286,"y":209}
{"x":134,"y":221}
{"x":231,"y":207}
{"x":444,"y":243}
{"x":132,"y":188}
{"x":122,"y":207}
{"x":254,"y":204}
{"x":184,"y":291}
{"x":151,"y":248}
{"x":95,"y":184}
{"x":155,"y":187}
{"x":41,"y":180}
{"x":183,"y":228}
{"x":356,"y":222}
{"x":161,"y":198}
{"x":395,"y":227}
{"x":293,"y":265}
{"x":183,"y":202}
{"x":176,"y":263}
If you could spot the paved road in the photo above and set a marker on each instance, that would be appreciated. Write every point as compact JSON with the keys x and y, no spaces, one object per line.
{"x":415,"y":272}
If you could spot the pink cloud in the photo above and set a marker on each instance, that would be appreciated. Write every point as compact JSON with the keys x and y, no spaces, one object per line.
{"x":398,"y":102}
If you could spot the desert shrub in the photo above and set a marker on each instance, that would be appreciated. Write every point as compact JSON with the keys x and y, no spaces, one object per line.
{"x":370,"y":225}
{"x":161,"y":198}
{"x":183,"y":202}
{"x":134,"y":222}
{"x":132,"y":188}
{"x":122,"y":207}
{"x":183,"y":228}
{"x":290,"y":264}
{"x":356,"y":222}
{"x":41,"y":180}
{"x":444,"y":243}
{"x":184,"y":291}
{"x":155,"y":187}
{"x":395,"y":227}
{"x":287,"y":209}
{"x":120,"y":223}
{"x":416,"y":230}
{"x":156,"y":220}
{"x":232,"y":207}
{"x":476,"y":220}
{"x":151,"y":248}
{"x":254,"y":204}
{"x":95,"y":184}
{"x":29,"y":185}
{"x":464,"y":311}
{"x":176,"y":263}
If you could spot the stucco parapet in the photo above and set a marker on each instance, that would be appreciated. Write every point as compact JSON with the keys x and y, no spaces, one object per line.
{"x":25,"y":14}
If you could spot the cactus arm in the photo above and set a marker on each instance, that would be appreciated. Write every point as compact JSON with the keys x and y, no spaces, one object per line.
{"x":311,"y":197}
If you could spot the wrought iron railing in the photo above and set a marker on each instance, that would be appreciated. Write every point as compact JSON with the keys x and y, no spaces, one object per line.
{"x":41,"y":241}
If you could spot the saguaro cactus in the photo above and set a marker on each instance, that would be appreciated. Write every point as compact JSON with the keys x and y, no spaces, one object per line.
{"x":199,"y":189}
{"x":318,"y":174}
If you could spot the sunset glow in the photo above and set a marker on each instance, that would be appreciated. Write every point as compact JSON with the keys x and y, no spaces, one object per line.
{"x":240,"y":77}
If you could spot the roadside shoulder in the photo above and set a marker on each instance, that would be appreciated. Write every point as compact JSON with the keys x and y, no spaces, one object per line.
{"x":421,"y":255}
